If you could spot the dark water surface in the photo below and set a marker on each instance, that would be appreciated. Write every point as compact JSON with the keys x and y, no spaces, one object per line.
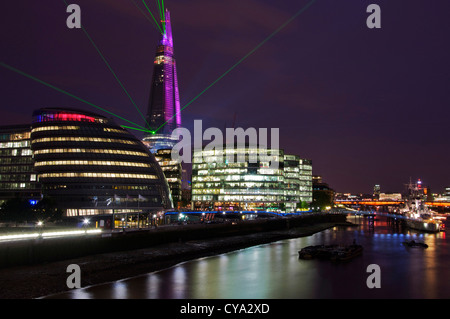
{"x":273,"y":271}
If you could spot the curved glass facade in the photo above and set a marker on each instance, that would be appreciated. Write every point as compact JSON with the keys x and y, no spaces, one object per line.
{"x":92,"y":166}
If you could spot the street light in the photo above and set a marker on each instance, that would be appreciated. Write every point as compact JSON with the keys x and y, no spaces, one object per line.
{"x":40,"y":224}
{"x":85,"y":224}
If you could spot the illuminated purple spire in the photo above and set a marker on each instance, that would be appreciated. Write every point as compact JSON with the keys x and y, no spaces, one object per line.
{"x":166,"y":38}
{"x":163,"y":113}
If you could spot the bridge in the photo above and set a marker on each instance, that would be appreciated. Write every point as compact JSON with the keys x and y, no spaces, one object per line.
{"x":386,"y":203}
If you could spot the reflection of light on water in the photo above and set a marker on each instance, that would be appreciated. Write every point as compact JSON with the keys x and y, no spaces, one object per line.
{"x":275,"y":271}
{"x":80,"y":294}
{"x":179,"y":282}
{"x":120,"y":290}
{"x":153,"y":284}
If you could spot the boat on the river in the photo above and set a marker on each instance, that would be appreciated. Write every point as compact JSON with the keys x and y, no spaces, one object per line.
{"x":418,"y":215}
{"x":413,"y":243}
{"x":346,"y":254}
{"x":336,"y":253}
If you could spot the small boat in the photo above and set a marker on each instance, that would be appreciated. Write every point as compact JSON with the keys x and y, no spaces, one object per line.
{"x":413,"y":243}
{"x":330,"y":252}
{"x":349,"y":252}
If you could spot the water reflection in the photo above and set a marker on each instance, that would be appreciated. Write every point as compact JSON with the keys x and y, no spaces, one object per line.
{"x":274,"y":270}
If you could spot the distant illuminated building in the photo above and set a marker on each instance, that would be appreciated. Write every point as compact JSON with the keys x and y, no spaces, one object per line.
{"x":164,"y":104}
{"x":323,"y":195}
{"x":91,"y":166}
{"x":17,"y":176}
{"x":376,"y":191}
{"x":390,"y":197}
{"x":220,"y":185}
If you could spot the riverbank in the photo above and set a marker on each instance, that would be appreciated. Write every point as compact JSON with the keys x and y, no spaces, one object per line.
{"x":25,"y":282}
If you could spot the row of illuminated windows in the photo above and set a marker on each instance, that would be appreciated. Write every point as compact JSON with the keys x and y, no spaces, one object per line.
{"x":239,"y":198}
{"x":113,"y":130}
{"x":17,"y":177}
{"x":222,"y":171}
{"x":258,"y":191}
{"x":15,"y":136}
{"x":167,"y":163}
{"x":235,"y":159}
{"x":19,"y":186}
{"x":54,"y":128}
{"x":170,"y":168}
{"x":15,"y":144}
{"x":102,"y":187}
{"x":220,"y":165}
{"x":263,"y":171}
{"x":16,"y":160}
{"x":82,"y":139}
{"x":15,"y":152}
{"x":280,"y":191}
{"x":242,"y":178}
{"x":81,"y":162}
{"x":89,"y":150}
{"x":16,"y":168}
{"x":163,"y":59}
{"x":249,"y":150}
{"x":98,"y":175}
{"x":238,"y":185}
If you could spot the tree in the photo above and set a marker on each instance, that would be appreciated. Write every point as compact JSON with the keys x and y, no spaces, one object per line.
{"x":16,"y":210}
{"x":47,"y":210}
{"x":322,"y":199}
{"x":21,"y":210}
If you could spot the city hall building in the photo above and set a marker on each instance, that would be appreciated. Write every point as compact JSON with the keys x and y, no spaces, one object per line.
{"x":93,"y":167}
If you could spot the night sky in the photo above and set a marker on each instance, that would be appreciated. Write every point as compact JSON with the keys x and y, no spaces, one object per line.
{"x":367,"y":106}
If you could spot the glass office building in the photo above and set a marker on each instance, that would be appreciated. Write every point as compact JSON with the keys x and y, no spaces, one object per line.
{"x":17,"y":176}
{"x":92,"y":166}
{"x":298,"y":182}
{"x":221,"y":184}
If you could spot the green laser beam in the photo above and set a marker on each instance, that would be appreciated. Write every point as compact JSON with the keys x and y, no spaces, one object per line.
{"x":115,"y":76}
{"x":146,"y":16}
{"x":241,"y":60}
{"x":164,"y":15}
{"x":138,"y":129}
{"x":152,"y":16}
{"x":64,"y":92}
{"x":110,"y":69}
{"x":159,"y":9}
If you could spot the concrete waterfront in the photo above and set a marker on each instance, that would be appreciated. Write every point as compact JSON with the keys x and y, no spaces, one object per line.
{"x":137,"y":256}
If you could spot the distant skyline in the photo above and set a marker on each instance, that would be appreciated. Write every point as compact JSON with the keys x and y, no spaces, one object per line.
{"x":366,"y":106}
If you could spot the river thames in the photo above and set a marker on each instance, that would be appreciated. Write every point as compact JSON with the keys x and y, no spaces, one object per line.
{"x":274,"y":271}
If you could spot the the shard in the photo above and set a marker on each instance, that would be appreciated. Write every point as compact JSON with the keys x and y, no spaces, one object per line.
{"x":163,"y":114}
